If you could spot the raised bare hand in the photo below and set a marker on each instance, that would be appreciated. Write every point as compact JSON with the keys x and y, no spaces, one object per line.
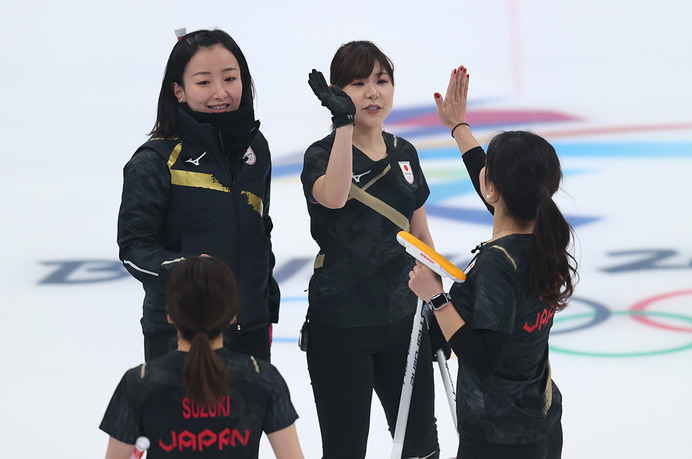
{"x":452,"y":109}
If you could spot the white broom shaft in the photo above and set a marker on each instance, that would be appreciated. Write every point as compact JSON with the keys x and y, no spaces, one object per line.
{"x":409,"y":375}
{"x":447,"y":382}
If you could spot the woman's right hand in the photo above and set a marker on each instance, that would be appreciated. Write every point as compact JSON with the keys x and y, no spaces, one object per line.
{"x":424,"y":282}
{"x":452,"y":109}
{"x":334,"y":98}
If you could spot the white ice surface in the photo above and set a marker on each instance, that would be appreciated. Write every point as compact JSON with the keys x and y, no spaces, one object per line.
{"x":79,"y":84}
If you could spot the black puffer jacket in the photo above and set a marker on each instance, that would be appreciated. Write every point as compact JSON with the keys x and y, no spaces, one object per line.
{"x":184,"y":197}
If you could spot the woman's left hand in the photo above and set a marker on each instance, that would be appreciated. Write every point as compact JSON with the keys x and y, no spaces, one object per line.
{"x":424,"y":282}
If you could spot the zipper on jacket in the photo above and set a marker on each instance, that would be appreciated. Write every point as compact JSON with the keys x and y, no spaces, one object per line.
{"x":225,"y":155}
{"x":233,"y":174}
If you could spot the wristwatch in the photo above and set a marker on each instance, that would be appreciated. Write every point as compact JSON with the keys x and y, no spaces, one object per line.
{"x":438,"y":301}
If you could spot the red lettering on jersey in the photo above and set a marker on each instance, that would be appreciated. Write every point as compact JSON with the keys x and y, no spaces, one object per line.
{"x":192,"y":410}
{"x":174,"y":443}
{"x":187,"y":439}
{"x":236,"y":435}
{"x":224,"y":438}
{"x":542,"y":318}
{"x":206,"y":439}
{"x":186,"y":408}
{"x":529,"y":328}
{"x":225,"y":406}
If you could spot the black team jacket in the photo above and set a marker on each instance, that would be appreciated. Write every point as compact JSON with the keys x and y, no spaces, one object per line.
{"x":183,"y":196}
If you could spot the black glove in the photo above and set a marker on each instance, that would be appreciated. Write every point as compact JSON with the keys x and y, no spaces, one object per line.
{"x":334,"y":98}
{"x":437,"y":339}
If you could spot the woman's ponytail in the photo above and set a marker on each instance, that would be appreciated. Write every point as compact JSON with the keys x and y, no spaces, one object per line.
{"x":552,"y":268}
{"x":526,"y":171}
{"x":202,"y":300}
{"x":205,"y":376}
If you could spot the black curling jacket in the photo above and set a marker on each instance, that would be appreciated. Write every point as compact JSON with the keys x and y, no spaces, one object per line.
{"x":183,"y":196}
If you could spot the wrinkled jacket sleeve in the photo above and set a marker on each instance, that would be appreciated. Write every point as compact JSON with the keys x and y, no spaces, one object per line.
{"x":146,"y":183}
{"x":274,"y":295}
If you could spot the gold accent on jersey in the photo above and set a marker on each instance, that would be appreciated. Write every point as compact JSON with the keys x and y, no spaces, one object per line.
{"x":192,"y":179}
{"x":548,"y":391}
{"x":376,"y":178}
{"x":174,"y":155}
{"x":319,"y":261}
{"x":514,"y":263}
{"x":255,"y":201}
{"x":254,"y":362}
{"x":196,"y":180}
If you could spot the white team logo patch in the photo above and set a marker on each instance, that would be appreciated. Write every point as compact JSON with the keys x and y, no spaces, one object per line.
{"x":195,"y":161}
{"x":357,"y":177}
{"x":407,"y":171}
{"x":249,"y":157}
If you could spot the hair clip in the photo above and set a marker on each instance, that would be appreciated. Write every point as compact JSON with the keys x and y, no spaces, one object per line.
{"x":180,"y":33}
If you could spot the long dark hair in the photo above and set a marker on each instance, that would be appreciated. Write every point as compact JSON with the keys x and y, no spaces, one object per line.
{"x":526,"y":171}
{"x":202,"y":299}
{"x":181,"y":54}
{"x":355,"y":60}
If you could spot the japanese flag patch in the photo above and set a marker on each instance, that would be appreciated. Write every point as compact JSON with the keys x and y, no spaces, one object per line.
{"x":407,"y":171}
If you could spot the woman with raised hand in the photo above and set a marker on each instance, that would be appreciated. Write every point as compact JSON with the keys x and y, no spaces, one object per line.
{"x":201,"y":185}
{"x":363,"y":185}
{"x":498,"y":322}
{"x":202,"y":400}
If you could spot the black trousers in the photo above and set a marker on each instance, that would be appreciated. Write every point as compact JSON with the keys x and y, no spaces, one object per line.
{"x":346,"y":364}
{"x":549,"y":448}
{"x":253,"y":341}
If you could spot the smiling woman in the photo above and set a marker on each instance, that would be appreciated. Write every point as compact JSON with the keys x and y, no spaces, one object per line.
{"x":201,"y":185}
{"x":212,"y":79}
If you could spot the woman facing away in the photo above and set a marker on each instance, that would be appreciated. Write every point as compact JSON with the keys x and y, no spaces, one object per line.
{"x":363,"y":185}
{"x":202,"y":400}
{"x":498,"y":321}
{"x":201,"y":185}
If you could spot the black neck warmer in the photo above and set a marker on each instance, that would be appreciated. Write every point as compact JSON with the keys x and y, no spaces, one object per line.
{"x":237,"y":128}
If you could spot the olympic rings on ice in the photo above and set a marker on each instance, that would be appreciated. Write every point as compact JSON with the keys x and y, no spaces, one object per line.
{"x":637,"y":312}
{"x":643,"y":318}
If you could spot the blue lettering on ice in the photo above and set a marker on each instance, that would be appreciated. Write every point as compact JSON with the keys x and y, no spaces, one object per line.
{"x":83,"y":271}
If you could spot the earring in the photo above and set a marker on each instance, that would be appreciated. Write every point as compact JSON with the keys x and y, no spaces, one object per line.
{"x":487,"y":196}
{"x":180,"y":101}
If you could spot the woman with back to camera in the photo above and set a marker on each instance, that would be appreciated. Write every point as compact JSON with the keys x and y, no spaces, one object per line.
{"x":498,"y":321}
{"x":202,"y":400}
{"x":362,"y":186}
{"x":201,"y":185}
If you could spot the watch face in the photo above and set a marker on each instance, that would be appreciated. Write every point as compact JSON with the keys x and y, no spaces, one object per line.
{"x":439,"y":301}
